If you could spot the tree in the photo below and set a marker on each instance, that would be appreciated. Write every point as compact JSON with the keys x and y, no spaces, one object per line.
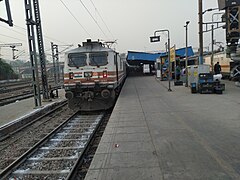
{"x":6,"y":71}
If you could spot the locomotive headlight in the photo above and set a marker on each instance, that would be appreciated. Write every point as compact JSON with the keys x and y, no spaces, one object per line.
{"x":87,"y":74}
{"x":105,"y":74}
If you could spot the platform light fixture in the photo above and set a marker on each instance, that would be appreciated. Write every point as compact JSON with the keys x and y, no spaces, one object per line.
{"x":156,"y":38}
{"x":186,"y":52}
{"x":200,"y":18}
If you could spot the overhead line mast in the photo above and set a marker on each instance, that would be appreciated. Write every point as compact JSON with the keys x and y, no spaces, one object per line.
{"x":12,"y":45}
{"x":30,"y":7}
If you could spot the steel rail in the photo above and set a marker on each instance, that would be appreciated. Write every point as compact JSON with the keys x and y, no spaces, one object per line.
{"x":72,"y":174}
{"x":27,"y":155}
{"x":17,"y":126}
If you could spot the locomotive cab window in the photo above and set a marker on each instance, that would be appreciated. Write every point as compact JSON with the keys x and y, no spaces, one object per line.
{"x":77,"y":60}
{"x":98,"y":59}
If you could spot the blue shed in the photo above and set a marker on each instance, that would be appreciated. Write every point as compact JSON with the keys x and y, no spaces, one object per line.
{"x":144,"y":56}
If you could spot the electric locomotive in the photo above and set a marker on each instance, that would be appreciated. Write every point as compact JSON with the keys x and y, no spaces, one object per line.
{"x":93,"y":76}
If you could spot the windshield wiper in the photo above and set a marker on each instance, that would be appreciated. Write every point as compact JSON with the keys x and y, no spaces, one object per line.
{"x":73,"y":63}
{"x":92,"y":59}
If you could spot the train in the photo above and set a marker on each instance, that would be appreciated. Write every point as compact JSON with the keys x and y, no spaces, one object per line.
{"x":230,"y":67}
{"x":93,"y":76}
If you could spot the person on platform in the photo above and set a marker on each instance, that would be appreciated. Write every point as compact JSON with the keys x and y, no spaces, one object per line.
{"x":217,"y":68}
{"x":178,"y":72}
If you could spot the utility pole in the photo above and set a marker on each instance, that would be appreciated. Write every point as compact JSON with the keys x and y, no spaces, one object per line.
{"x":186,"y":52}
{"x":54,"y":55}
{"x":30,"y":7}
{"x":55,"y":64}
{"x":13,"y":52}
{"x":33,"y":54}
{"x":12,"y":45}
{"x":212,"y":54}
{"x":200,"y":15}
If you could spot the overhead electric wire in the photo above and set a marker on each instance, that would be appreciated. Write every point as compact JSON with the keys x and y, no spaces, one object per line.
{"x":101,"y":18}
{"x":93,"y":18}
{"x":24,"y":29}
{"x":12,"y":37}
{"x":10,"y":29}
{"x":47,"y":37}
{"x":75,"y":17}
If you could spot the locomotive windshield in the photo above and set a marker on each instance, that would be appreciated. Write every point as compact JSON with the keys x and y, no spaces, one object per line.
{"x":77,"y":60}
{"x":98,"y":59}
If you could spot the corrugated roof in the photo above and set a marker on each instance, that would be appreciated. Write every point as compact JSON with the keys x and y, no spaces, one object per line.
{"x":132,"y":55}
{"x":181,"y":52}
{"x":138,"y":56}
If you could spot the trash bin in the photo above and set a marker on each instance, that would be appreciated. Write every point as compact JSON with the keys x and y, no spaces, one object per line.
{"x":193,"y":87}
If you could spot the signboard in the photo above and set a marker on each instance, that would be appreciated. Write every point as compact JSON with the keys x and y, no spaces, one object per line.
{"x":155,"y":39}
{"x":172,"y":54}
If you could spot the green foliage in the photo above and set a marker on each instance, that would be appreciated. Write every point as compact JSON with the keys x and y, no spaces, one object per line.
{"x":6,"y":71}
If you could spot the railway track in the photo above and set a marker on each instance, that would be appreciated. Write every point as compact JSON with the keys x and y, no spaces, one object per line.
{"x":21,"y":85}
{"x":13,"y":83}
{"x":14,"y":98}
{"x":19,"y":95}
{"x":59,"y":153}
{"x":18,"y":87}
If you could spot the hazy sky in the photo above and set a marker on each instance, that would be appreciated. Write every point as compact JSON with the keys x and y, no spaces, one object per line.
{"x":130,"y":22}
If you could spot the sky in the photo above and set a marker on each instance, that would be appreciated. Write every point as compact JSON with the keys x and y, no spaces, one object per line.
{"x":129,"y":22}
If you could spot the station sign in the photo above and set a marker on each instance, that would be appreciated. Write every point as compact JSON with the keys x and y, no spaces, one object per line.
{"x":155,"y":39}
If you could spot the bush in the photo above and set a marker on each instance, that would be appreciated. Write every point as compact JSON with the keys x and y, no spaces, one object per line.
{"x":6,"y":71}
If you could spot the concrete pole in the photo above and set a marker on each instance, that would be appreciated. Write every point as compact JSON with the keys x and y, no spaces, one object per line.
{"x":186,"y":59}
{"x":200,"y":15}
{"x":169,"y":64}
{"x":212,"y":47}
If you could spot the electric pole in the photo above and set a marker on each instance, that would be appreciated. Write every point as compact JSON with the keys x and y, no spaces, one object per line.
{"x":12,"y":45}
{"x":32,"y":6}
{"x":200,"y":15}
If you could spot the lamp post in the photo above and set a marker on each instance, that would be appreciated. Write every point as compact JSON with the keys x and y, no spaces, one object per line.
{"x":200,"y":16}
{"x":156,"y":39}
{"x":212,"y":55}
{"x":186,"y":52}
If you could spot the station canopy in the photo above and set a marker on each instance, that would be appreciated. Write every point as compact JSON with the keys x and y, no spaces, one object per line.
{"x":144,"y":56}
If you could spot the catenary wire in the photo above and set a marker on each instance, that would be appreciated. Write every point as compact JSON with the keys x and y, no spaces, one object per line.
{"x":13,"y":37}
{"x":47,"y":37}
{"x":93,"y":18}
{"x":101,"y":18}
{"x":75,"y":18}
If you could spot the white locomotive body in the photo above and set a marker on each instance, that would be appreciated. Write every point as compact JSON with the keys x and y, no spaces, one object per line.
{"x":93,"y":76}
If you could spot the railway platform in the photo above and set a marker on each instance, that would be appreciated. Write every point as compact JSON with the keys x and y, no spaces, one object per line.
{"x":154,"y":134}
{"x":20,"y":109}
